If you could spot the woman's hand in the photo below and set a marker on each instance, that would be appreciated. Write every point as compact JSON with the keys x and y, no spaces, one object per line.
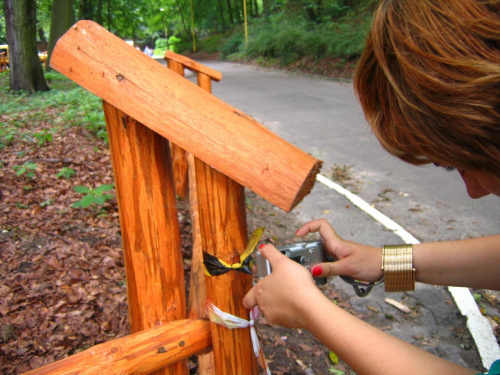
{"x":285,"y":295}
{"x":361,"y":262}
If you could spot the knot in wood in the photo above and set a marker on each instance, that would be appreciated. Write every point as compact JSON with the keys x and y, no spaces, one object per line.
{"x":119,"y":77}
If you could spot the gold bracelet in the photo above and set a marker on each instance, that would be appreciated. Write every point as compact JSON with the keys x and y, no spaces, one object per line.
{"x":397,"y":264}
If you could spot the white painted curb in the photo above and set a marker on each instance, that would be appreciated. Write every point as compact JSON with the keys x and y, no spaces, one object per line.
{"x":478,"y":325}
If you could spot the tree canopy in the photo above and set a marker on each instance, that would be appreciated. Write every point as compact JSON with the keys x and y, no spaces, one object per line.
{"x":279,"y":31}
{"x":143,"y":18}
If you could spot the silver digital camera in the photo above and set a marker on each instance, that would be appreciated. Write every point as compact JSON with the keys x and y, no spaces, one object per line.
{"x":307,"y":253}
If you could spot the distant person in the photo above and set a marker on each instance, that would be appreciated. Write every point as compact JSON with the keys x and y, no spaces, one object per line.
{"x":429,"y":85}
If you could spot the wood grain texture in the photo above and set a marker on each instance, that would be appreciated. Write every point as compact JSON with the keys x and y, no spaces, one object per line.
{"x":220,"y":135}
{"x":179,"y":161}
{"x":149,"y":224}
{"x":140,"y":353}
{"x":221,"y":207}
{"x":197,"y":286}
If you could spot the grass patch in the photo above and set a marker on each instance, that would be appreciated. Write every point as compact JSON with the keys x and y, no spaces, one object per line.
{"x":66,"y":104}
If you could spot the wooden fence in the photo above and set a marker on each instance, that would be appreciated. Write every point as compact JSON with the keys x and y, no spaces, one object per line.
{"x":154,"y":115}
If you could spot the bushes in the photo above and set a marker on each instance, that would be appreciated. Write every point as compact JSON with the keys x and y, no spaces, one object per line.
{"x":287,"y":39}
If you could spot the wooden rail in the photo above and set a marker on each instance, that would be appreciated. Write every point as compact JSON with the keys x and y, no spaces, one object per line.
{"x":222,"y":136}
{"x":220,"y":208}
{"x":139,"y":353}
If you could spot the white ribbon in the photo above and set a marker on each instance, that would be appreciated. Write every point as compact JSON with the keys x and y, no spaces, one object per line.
{"x":227,"y":320}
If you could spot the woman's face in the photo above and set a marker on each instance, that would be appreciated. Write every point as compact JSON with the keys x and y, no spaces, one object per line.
{"x":480,"y":184}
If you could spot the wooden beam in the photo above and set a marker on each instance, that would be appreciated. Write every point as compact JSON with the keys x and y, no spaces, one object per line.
{"x":149,"y":224}
{"x":222,"y":136}
{"x":139,"y":353}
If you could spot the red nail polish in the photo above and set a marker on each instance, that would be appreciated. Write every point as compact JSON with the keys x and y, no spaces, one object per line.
{"x":261,"y":246}
{"x":316,"y":271}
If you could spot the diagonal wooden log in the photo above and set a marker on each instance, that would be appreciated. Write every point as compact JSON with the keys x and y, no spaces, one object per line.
{"x":220,"y":135}
{"x":139,"y":353}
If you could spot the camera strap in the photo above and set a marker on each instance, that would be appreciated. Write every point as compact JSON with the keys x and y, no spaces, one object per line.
{"x":361,"y":288}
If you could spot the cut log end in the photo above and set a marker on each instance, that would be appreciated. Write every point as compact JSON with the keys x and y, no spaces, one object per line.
{"x":307,"y":185}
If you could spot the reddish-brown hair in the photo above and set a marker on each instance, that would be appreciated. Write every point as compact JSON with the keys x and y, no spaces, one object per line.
{"x":429,"y":81}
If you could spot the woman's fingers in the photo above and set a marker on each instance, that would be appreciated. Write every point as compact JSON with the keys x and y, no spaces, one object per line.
{"x":322,"y":226}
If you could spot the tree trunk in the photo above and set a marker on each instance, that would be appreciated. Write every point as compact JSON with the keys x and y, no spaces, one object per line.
{"x":85,"y":10}
{"x":229,"y":9}
{"x":266,"y":5}
{"x":26,"y":72}
{"x":62,"y":19}
{"x":188,"y":34}
{"x":221,"y":14}
{"x":238,"y":7}
{"x":109,"y":15}
{"x":99,"y":12}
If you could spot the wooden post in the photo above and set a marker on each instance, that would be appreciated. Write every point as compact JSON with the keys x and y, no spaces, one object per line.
{"x":220,"y":212}
{"x":150,"y":230}
{"x":197,"y":290}
{"x":179,"y":160}
{"x":221,"y":204}
{"x":139,"y":353}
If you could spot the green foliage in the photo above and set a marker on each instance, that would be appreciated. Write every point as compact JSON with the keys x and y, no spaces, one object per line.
{"x":48,"y":202}
{"x":7,"y":135}
{"x":287,"y":39}
{"x":161,"y":44}
{"x":286,"y":31}
{"x":66,"y":173}
{"x":212,"y":43}
{"x":43,"y":137}
{"x":92,"y":196}
{"x":27,"y":169}
{"x":174,"y":43}
{"x":234,"y":44}
{"x":3,"y":35}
